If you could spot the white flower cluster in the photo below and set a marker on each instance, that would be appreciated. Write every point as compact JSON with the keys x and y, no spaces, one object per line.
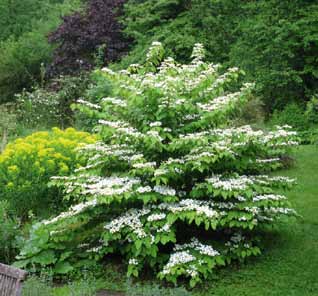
{"x":88,"y":104}
{"x":237,"y":240}
{"x":144,"y":189}
{"x":99,"y":151}
{"x":199,"y":206}
{"x":164,"y":190}
{"x":192,"y":271}
{"x":219,"y":102}
{"x":94,"y":249}
{"x":133,"y":261}
{"x":155,"y":124}
{"x":154,"y":134}
{"x":198,"y":52}
{"x":89,"y":166}
{"x":242,"y":182}
{"x":164,"y":228}
{"x":114,"y":124}
{"x":230,"y":184}
{"x":267,"y":160}
{"x":74,"y":210}
{"x":156,"y":217}
{"x":269,"y":197}
{"x":110,"y":186}
{"x":199,"y":247}
{"x":278,"y":179}
{"x":243,"y":135}
{"x":131,"y":219}
{"x":144,"y":165}
{"x":176,"y":259}
{"x":115,"y":101}
{"x":280,"y":132}
{"x":284,"y":211}
{"x":160,"y":172}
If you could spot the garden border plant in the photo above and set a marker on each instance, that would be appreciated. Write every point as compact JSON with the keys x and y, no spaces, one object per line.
{"x":27,"y":164}
{"x":171,"y":186}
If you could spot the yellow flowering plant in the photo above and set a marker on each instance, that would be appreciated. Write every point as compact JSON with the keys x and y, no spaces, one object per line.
{"x":27,"y":164}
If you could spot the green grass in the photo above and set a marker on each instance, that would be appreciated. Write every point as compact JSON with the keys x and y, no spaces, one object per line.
{"x":289,"y":264}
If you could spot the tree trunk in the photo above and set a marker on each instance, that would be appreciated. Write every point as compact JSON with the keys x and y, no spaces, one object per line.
{"x":4,"y":139}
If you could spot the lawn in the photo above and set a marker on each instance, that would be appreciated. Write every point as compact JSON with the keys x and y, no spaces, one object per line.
{"x":289,"y":264}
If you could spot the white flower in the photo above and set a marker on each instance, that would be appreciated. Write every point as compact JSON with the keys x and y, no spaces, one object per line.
{"x":156,"y":217}
{"x":239,"y":183}
{"x":144,"y":189}
{"x":164,"y":190}
{"x":178,"y":258}
{"x":156,"y":123}
{"x":115,"y":101}
{"x":133,"y":261}
{"x":154,"y":134}
{"x":89,"y":104}
{"x":74,"y":210}
{"x":143,"y":165}
{"x":199,"y":247}
{"x":268,"y":197}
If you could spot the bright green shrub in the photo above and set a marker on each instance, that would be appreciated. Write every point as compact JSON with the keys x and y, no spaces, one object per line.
{"x":312,"y":110}
{"x":27,"y":164}
{"x":303,"y":120}
{"x":171,"y":187}
{"x":293,"y":115}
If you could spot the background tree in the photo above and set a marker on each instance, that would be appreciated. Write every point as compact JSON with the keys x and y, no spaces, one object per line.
{"x":273,"y":41}
{"x":23,"y":41}
{"x":84,"y":34}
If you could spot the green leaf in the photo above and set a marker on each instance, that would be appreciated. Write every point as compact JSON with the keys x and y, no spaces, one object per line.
{"x":63,"y":267}
{"x":45,"y":258}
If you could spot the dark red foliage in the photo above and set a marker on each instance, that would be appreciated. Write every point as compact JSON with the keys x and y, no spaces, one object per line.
{"x":82,"y":33}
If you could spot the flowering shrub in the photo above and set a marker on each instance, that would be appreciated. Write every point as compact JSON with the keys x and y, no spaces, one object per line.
{"x":27,"y":164}
{"x":51,"y":105}
{"x":171,"y":186}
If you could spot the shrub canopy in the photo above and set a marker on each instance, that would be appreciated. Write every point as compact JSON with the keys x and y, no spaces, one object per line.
{"x":171,"y":186}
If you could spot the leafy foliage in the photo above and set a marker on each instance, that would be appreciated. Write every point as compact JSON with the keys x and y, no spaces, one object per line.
{"x":51,"y":105}
{"x":82,"y":35}
{"x":18,"y":17}
{"x":279,"y":50}
{"x":27,"y":164}
{"x":292,"y":114}
{"x":273,"y":41}
{"x":171,"y":186}
{"x":9,"y":230}
{"x":304,"y":120}
{"x":26,"y":47}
